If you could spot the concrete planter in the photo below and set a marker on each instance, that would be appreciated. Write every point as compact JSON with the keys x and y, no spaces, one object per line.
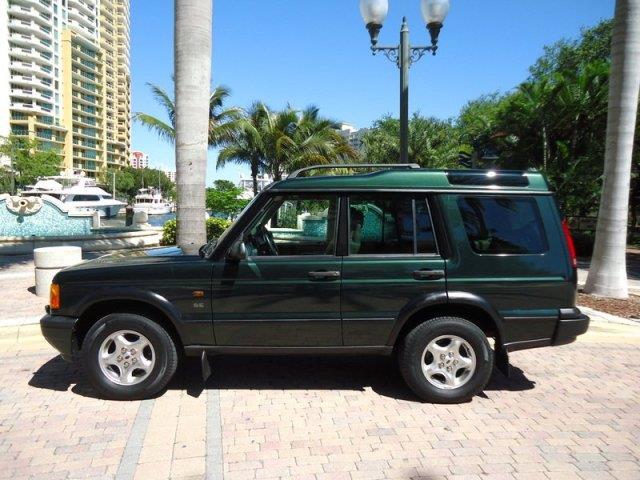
{"x":49,"y":261}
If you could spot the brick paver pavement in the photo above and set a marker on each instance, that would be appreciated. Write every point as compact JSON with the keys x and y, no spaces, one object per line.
{"x":568,"y":412}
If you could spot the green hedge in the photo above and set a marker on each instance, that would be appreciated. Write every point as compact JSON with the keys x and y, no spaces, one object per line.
{"x":215,"y":228}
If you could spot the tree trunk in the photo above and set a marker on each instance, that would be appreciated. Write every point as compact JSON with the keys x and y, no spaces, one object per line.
{"x":608,"y":274}
{"x":192,"y":51}
{"x":254,"y":177}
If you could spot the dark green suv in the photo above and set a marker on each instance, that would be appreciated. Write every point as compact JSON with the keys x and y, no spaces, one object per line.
{"x":424,"y":265}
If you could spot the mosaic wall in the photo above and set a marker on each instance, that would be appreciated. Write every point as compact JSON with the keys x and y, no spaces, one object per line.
{"x":48,"y":221}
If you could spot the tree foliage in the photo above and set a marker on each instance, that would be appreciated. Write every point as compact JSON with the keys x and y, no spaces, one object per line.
{"x":29,"y":161}
{"x":129,"y":180}
{"x":433,"y":143}
{"x":225,"y":199}
{"x":278,"y":142}
{"x":554,"y":121}
{"x":215,"y":228}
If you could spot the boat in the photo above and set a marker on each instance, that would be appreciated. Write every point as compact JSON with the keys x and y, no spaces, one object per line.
{"x":151,"y":201}
{"x":78,"y":193}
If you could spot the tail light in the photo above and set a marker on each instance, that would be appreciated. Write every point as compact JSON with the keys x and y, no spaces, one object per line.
{"x":570,"y":245}
{"x":54,"y":296}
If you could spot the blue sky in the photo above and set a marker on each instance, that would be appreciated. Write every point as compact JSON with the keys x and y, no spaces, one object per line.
{"x":317,"y":52}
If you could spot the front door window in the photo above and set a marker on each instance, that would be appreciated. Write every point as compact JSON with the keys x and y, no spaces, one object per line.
{"x":294,"y":225}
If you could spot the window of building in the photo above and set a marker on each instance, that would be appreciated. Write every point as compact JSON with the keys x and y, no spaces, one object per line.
{"x":503,"y":225}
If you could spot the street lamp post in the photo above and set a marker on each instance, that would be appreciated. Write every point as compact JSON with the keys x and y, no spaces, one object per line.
{"x":374,"y":13}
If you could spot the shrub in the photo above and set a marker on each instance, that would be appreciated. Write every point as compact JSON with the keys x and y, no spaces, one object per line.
{"x":215,"y":228}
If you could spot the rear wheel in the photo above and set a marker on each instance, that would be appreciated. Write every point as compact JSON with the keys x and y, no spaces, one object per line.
{"x":446,"y":360}
{"x":128,"y":357}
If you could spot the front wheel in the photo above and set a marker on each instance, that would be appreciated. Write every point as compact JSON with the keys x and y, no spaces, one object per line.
{"x":128,"y":357}
{"x":446,"y":360}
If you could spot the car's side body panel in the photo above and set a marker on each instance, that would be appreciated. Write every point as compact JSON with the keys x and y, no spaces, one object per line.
{"x":527,"y":291}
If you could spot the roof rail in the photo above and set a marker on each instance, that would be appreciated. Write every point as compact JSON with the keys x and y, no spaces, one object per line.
{"x":379,"y":166}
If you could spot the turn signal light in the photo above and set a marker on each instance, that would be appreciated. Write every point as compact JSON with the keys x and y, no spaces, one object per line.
{"x":54,"y":296}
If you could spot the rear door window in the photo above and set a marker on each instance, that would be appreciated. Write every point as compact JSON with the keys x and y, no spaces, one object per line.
{"x":382,"y":224}
{"x":503,"y":225}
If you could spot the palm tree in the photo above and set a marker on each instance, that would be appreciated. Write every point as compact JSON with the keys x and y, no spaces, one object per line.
{"x":608,"y":273}
{"x":191,"y":117}
{"x":296,"y":139}
{"x":223,"y":122}
{"x":246,"y":146}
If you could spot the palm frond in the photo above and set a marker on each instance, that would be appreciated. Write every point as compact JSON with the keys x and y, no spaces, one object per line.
{"x":163,"y":130}
{"x":164,"y":99}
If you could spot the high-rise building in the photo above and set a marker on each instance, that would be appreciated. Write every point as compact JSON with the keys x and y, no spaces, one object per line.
{"x":139,"y":159}
{"x":352,"y":135}
{"x":171,"y":174}
{"x":64,"y":65}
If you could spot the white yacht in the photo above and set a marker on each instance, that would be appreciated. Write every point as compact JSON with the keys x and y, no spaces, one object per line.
{"x":151,"y":201}
{"x":77,"y":192}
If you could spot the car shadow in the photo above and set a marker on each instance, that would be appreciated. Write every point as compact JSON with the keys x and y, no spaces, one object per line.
{"x":274,"y":373}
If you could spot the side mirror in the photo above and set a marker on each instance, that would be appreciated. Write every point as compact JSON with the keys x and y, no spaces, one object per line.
{"x":237,"y":251}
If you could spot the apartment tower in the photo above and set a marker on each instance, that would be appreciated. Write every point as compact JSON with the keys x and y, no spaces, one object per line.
{"x":66,"y":66}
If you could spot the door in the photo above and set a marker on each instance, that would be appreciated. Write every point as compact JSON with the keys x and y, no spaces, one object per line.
{"x":392,"y":260}
{"x":286,"y":293}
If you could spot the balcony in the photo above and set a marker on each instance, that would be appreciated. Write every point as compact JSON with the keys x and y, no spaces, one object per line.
{"x":50,"y":147}
{"x":49,"y":136}
{"x":22,"y":132}
{"x":21,"y":92}
{"x":85,"y":51}
{"x":89,"y":100}
{"x":92,"y":122}
{"x":88,"y":155}
{"x":87,"y":8}
{"x":53,"y":123}
{"x":19,"y":117}
{"x":81,"y":74}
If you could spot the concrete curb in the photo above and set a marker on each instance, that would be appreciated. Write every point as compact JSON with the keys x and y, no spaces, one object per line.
{"x":18,"y":322}
{"x":597,"y":315}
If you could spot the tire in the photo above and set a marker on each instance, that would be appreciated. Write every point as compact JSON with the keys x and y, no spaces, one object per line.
{"x":118,"y":370}
{"x":433,"y":382}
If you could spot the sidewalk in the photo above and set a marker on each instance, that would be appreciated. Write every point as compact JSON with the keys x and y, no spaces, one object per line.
{"x":566,"y":413}
{"x":18,"y":303}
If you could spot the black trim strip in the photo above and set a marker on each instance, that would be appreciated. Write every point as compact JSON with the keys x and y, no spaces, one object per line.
{"x":526,"y":344}
{"x":196,"y":350}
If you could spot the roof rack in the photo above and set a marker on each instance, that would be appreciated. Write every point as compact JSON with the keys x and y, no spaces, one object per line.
{"x":379,"y":166}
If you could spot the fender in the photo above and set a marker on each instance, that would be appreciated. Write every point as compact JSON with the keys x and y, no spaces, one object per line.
{"x":466,"y":298}
{"x":413,"y":306}
{"x":440,"y":299}
{"x":151,"y":298}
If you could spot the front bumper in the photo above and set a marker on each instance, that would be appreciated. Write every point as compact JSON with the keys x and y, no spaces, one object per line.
{"x":59,"y":332}
{"x":572,"y":322}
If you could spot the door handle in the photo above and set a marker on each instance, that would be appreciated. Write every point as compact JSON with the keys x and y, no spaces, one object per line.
{"x":324,"y":275}
{"x":426,"y":274}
